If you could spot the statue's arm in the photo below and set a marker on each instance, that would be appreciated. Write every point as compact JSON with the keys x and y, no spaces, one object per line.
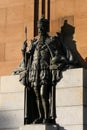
{"x":30,"y":51}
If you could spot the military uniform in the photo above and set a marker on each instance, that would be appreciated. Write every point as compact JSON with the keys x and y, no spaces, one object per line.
{"x":40,"y":75}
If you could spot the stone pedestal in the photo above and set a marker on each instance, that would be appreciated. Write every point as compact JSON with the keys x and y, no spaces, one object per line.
{"x":71,"y":103}
{"x":11,"y":103}
{"x":71,"y":100}
{"x":39,"y":127}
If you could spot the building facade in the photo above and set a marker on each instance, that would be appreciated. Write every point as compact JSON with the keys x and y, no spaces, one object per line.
{"x":16,"y":14}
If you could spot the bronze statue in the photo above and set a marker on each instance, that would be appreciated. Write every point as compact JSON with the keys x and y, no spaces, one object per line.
{"x":43,"y":65}
{"x":44,"y":61}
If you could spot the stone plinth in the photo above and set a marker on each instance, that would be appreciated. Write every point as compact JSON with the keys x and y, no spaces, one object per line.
{"x":11,"y":103}
{"x":71,"y":100}
{"x":71,"y":103}
{"x":39,"y":127}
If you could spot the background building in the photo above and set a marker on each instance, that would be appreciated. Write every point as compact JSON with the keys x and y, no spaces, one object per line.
{"x":16,"y":14}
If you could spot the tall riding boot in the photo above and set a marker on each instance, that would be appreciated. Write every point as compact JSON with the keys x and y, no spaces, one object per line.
{"x":41,"y":112}
{"x":46,"y":111}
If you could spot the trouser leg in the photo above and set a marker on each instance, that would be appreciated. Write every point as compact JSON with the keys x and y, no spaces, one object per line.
{"x":53,"y":104}
{"x":45,"y":100}
{"x":39,"y":102}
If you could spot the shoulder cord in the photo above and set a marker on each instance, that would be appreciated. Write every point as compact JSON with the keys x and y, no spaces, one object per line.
{"x":49,"y":50}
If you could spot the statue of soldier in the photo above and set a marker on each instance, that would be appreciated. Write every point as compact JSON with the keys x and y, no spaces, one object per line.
{"x":41,"y":70}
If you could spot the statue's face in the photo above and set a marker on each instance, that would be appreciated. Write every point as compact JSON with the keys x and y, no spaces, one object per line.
{"x":41,"y":29}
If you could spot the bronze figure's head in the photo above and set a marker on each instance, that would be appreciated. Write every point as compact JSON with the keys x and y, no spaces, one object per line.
{"x":43,"y":26}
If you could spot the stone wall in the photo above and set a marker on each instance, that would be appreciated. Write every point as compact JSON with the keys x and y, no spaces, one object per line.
{"x":75,"y":11}
{"x":16,"y":14}
{"x":11,"y":103}
{"x":71,"y":101}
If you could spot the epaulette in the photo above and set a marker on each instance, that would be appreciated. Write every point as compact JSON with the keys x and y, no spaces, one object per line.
{"x":34,"y":41}
{"x":53,"y":38}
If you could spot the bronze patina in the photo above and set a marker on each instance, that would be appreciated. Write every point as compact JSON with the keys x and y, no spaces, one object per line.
{"x":40,"y":70}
